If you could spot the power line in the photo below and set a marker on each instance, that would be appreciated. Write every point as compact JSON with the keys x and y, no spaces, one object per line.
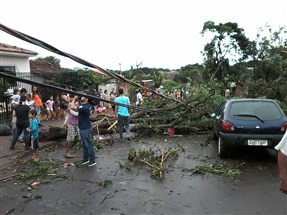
{"x":47,"y":46}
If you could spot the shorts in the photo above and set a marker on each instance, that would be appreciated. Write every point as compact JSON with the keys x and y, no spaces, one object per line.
{"x":72,"y":132}
{"x":34,"y":143}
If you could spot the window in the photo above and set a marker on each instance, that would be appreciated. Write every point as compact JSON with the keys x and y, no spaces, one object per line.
{"x":264,"y":110}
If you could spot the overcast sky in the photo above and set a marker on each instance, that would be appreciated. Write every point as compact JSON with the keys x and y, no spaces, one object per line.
{"x":116,"y":34}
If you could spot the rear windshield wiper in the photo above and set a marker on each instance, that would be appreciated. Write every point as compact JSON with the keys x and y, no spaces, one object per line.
{"x":250,"y":115}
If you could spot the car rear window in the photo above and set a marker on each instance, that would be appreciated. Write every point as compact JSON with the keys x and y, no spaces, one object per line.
{"x":265,"y":110}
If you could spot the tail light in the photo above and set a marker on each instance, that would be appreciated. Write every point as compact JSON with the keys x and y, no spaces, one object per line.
{"x":228,"y":126}
{"x":284,"y":127}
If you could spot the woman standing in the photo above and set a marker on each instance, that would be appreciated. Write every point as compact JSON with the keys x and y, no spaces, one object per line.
{"x":36,"y":97}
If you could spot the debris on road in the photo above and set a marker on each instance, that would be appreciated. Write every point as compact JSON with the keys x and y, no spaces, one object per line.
{"x":35,"y":184}
{"x":154,"y":158}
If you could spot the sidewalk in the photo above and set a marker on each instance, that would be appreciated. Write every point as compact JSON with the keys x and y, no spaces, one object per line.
{"x":7,"y":155}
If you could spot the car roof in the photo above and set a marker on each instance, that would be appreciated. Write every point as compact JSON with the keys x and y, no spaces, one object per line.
{"x":249,"y":99}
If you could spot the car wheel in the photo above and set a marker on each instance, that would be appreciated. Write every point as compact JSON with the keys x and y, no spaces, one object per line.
{"x":222,"y":149}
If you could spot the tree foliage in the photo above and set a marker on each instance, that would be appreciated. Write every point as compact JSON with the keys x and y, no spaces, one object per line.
{"x":228,"y":44}
{"x":261,"y":64}
{"x":82,"y":79}
{"x":169,"y":85}
{"x":189,"y":74}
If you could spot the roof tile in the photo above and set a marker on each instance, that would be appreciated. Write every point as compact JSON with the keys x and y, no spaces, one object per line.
{"x":9,"y":48}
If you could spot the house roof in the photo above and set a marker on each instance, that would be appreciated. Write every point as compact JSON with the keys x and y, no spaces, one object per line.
{"x":43,"y":67}
{"x":37,"y":66}
{"x":5,"y":48}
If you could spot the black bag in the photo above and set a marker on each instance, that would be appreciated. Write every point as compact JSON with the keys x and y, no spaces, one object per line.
{"x":5,"y":130}
{"x":64,"y":104}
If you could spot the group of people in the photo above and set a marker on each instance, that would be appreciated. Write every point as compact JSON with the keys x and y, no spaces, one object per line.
{"x":24,"y":119}
{"x":178,"y":93}
{"x":78,"y":124}
{"x":78,"y":120}
{"x":105,"y":106}
{"x":26,"y":114}
{"x":27,"y":111}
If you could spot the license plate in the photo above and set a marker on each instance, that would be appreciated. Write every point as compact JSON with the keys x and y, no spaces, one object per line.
{"x":257,"y":143}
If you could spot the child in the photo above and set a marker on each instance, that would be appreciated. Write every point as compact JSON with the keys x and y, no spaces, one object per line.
{"x":34,"y":132}
{"x":50,"y":108}
{"x":58,"y":111}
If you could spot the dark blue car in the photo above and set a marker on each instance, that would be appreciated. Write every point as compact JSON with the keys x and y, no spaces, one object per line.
{"x":248,"y":122}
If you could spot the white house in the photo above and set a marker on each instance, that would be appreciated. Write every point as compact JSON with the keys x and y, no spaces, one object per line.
{"x":15,"y":60}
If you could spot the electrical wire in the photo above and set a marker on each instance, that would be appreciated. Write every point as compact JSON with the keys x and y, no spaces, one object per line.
{"x":47,"y":46}
{"x":89,"y":95}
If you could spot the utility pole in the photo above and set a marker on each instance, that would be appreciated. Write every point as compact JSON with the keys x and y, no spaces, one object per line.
{"x":120,"y":68}
{"x":137,"y":65}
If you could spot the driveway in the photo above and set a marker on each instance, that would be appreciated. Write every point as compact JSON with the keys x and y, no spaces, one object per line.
{"x":246,"y":184}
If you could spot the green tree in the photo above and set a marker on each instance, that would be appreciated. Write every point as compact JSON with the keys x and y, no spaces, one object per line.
{"x":228,"y":43}
{"x":169,"y":85}
{"x":269,"y":64}
{"x":189,"y":74}
{"x":267,"y":44}
{"x":157,"y":77}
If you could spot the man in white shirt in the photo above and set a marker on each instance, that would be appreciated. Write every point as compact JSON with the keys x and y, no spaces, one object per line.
{"x":139,"y":98}
{"x":15,"y":99}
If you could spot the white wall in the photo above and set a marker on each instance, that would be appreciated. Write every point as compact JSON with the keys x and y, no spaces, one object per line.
{"x":108,"y":87}
{"x":21,"y":65}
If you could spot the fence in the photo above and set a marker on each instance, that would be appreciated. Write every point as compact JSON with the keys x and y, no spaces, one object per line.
{"x":5,"y":110}
{"x":71,"y":80}
{"x":7,"y":86}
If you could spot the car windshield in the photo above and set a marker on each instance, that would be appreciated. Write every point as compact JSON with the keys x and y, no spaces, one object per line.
{"x":262,"y":110}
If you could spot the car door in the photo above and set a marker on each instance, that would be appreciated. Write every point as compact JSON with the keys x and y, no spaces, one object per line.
{"x":217,"y":118}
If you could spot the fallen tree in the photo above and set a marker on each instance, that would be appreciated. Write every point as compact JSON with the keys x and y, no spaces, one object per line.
{"x":156,"y":116}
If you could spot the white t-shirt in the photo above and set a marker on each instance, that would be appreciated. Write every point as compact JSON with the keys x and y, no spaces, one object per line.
{"x":50,"y":104}
{"x":15,"y":99}
{"x":139,"y":100}
{"x":30,"y":104}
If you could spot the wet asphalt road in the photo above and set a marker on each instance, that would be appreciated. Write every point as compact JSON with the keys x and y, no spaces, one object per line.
{"x":109,"y":189}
